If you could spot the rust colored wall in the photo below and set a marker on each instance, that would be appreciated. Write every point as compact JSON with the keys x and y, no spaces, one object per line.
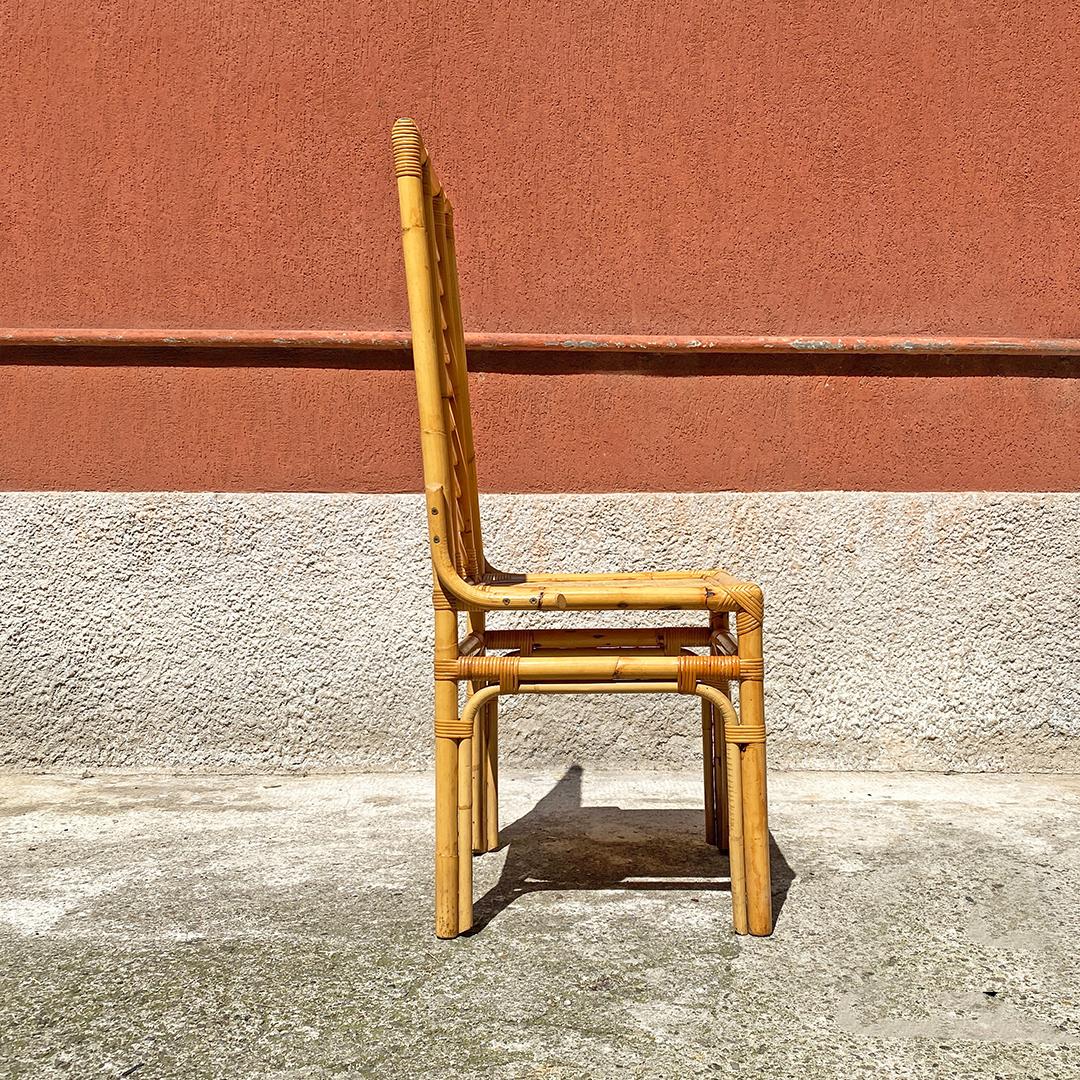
{"x":618,"y":166}
{"x":80,"y":419}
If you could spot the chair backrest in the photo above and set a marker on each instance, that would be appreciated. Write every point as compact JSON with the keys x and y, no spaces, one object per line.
{"x":438,"y":347}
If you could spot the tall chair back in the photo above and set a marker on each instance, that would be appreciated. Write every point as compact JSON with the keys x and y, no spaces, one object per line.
{"x":438,"y":347}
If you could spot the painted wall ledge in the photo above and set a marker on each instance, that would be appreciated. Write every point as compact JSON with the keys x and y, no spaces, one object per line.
{"x":530,"y":342}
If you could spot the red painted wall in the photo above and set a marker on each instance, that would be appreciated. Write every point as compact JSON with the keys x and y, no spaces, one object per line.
{"x":618,"y":166}
{"x":86,"y":419}
{"x":633,"y":167}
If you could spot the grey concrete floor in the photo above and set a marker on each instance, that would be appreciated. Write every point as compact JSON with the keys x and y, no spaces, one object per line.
{"x":281,"y":928}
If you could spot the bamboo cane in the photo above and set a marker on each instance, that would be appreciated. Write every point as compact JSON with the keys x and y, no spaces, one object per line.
{"x":560,"y":654}
{"x":626,"y":667}
{"x":477,"y":771}
{"x":720,"y":644}
{"x":485,"y":796}
{"x":491,"y":776}
{"x":720,"y":772}
{"x":447,"y":851}
{"x":663,"y":637}
{"x":599,"y":688}
{"x":408,"y":164}
{"x":719,"y":576}
{"x":736,"y":850}
{"x":707,"y":760}
{"x":457,"y":341}
{"x":480,"y":711}
{"x":464,"y":836}
{"x":734,"y":761}
{"x":723,"y":706}
{"x":648,"y":594}
{"x":752,"y":712}
{"x":472,"y":644}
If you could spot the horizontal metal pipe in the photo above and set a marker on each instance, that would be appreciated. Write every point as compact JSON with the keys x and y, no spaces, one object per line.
{"x":531,"y":342}
{"x":209,"y":339}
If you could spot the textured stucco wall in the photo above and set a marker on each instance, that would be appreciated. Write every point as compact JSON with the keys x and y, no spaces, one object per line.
{"x":203,"y":631}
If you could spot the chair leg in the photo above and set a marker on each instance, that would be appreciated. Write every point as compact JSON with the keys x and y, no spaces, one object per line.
{"x":708,"y":757}
{"x":736,"y":840}
{"x":754,"y":801}
{"x":720,"y":771}
{"x":490,"y":763}
{"x":478,"y":772}
{"x":719,"y":621}
{"x":464,"y":835}
{"x":446,"y":837}
{"x":477,"y":624}
{"x":448,"y":759}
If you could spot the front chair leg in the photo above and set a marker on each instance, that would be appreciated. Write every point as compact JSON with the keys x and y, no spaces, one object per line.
{"x":755,"y":813}
{"x":453,"y":791}
{"x":446,"y":837}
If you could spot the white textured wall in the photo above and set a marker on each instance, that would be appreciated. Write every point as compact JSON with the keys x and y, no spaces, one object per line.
{"x":238,"y":632}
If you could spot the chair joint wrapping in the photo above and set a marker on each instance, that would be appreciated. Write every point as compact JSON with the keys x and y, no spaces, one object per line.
{"x":505,"y":670}
{"x":743,"y":734}
{"x":452,"y":728}
{"x":408,"y":148}
{"x":441,"y":601}
{"x":707,"y":669}
{"x":516,"y":639}
{"x":752,"y":670}
{"x":673,"y":638}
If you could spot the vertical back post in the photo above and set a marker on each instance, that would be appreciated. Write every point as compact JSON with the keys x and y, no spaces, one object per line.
{"x":409,"y":158}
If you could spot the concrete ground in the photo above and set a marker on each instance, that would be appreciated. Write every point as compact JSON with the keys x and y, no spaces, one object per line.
{"x":281,"y":928}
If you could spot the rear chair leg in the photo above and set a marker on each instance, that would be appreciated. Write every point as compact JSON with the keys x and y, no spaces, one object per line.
{"x":478,"y":843}
{"x":485,"y":776}
{"x":708,"y":757}
{"x":720,"y":771}
{"x":736,"y":841}
{"x":478,"y":773}
{"x":490,"y":762}
{"x":714,"y":749}
{"x":718,"y":620}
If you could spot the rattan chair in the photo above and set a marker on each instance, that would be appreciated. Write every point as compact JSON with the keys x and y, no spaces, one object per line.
{"x":493,"y":663}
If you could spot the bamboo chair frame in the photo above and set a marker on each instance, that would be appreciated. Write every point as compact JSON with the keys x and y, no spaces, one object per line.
{"x":494,"y":663}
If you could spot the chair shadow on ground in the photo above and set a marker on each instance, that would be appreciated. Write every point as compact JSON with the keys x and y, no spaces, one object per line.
{"x":560,"y":845}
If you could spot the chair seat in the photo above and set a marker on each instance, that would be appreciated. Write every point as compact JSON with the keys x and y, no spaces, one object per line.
{"x":694,"y":590}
